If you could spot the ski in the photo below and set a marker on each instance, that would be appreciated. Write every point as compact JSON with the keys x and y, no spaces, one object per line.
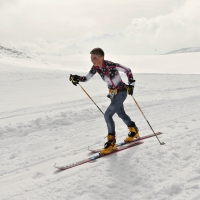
{"x":123,"y":143}
{"x":95,"y":157}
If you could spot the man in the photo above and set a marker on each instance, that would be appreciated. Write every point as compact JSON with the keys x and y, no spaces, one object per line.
{"x":118,"y":90}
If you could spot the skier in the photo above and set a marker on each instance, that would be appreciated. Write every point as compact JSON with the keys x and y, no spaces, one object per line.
{"x":118,"y":90}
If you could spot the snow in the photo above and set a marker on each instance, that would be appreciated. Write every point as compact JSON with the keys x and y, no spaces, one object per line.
{"x":185,"y":50}
{"x":44,"y":120}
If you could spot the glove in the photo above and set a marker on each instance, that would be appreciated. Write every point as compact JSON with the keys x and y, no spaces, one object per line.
{"x":74,"y":79}
{"x":130,"y":89}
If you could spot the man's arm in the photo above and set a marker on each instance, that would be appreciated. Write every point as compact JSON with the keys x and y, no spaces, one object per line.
{"x":128,"y":73}
{"x":91,"y":73}
{"x":75,"y":79}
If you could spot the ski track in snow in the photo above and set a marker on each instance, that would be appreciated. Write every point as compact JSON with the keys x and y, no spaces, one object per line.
{"x":33,"y":138}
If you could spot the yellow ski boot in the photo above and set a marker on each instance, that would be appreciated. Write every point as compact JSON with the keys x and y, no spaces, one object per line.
{"x":134,"y":133}
{"x":110,"y":145}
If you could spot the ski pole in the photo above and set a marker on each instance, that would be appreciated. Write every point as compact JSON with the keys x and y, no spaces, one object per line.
{"x":91,"y":98}
{"x":161,"y":143}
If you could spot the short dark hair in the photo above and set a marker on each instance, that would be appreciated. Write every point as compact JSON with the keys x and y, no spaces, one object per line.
{"x":97,"y":51}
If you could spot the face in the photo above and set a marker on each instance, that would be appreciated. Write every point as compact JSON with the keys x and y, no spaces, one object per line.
{"x":97,"y":60}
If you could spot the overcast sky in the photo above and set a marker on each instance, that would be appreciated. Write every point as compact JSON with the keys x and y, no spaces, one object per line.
{"x":118,"y":26}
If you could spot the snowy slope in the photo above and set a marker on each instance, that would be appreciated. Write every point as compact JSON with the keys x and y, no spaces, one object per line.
{"x":44,"y":119}
{"x":185,"y":50}
{"x":13,"y":52}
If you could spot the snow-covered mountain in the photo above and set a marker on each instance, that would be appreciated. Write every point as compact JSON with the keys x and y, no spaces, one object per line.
{"x":22,"y":58}
{"x":13,"y":52}
{"x":185,"y":50}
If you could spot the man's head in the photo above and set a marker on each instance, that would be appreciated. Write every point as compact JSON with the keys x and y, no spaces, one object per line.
{"x":97,"y":57}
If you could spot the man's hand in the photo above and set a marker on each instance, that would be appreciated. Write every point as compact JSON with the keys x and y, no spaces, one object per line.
{"x":74,"y":79}
{"x":130,"y":89}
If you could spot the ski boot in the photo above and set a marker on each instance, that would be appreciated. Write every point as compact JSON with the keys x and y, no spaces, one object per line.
{"x":110,"y":145}
{"x":134,"y":133}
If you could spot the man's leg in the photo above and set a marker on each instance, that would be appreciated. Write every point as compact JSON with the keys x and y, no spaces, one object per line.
{"x":114,"y":107}
{"x":134,"y":132}
{"x":121,"y":113}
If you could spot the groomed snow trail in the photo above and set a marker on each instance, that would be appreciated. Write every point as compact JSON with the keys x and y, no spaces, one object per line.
{"x":36,"y":136}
